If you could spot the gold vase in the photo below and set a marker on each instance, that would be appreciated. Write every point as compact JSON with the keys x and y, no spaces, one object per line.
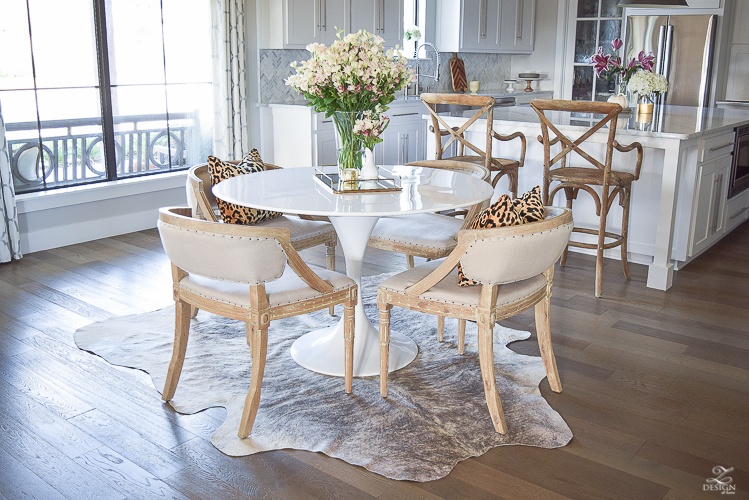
{"x":644,"y":112}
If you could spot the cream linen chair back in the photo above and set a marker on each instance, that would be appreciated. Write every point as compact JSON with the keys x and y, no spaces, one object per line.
{"x":515,"y":253}
{"x":213,"y":251}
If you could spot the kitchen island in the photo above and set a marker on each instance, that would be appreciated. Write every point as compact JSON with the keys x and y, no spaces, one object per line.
{"x":679,"y":206}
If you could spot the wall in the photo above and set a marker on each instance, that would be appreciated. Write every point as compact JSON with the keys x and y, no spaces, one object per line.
{"x":74,"y":215}
{"x":543,"y":59}
{"x":490,"y":69}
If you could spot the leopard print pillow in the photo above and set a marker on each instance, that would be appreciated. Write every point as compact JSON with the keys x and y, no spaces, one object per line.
{"x":529,"y":206}
{"x":237,"y":214}
{"x":506,"y":212}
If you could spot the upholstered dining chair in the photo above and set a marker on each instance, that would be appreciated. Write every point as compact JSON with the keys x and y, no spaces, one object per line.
{"x":431,"y":236}
{"x":485,"y":105}
{"x":521,"y":277}
{"x":572,"y":179}
{"x":306,"y":231}
{"x":258,"y":278}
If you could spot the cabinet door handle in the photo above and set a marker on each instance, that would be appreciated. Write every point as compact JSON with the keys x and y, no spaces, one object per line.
{"x":519,"y":20}
{"x":486,"y":11}
{"x":716,"y":203}
{"x":382,"y":16}
{"x":406,"y":114}
{"x":324,"y":15}
{"x":319,"y":15}
{"x":738,"y":213}
{"x":717,"y":148}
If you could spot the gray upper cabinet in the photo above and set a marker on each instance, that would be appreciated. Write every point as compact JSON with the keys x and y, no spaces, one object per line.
{"x":516,"y":26}
{"x":381,"y":17}
{"x":294,"y":24}
{"x":313,"y":21}
{"x":485,"y":26}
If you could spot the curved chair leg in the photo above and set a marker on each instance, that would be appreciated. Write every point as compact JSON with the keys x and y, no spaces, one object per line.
{"x":486,"y":359}
{"x":543,"y":332}
{"x":348,"y":340}
{"x":248,"y":333}
{"x":625,"y":229}
{"x":440,"y":328}
{"x":330,"y":262}
{"x":461,"y":335}
{"x":194,"y":311}
{"x":384,"y":347}
{"x":252,"y":402}
{"x":181,"y":331}
{"x":410,"y":261}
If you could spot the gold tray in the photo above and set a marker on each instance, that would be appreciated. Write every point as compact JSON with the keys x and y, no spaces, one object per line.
{"x":332,"y":181}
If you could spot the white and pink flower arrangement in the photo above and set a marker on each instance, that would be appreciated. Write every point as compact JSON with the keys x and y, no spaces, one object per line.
{"x":370,"y":126}
{"x":353,"y":80}
{"x":647,"y":85}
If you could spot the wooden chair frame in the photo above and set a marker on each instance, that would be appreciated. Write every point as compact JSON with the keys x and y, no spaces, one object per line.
{"x":485,"y":315}
{"x":414,"y":250}
{"x":457,"y":134}
{"x":205,"y":211}
{"x":574,"y":179}
{"x":258,"y":316}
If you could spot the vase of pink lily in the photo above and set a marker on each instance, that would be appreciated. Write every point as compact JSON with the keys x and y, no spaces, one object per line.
{"x":611,"y":67}
{"x":353,"y":80}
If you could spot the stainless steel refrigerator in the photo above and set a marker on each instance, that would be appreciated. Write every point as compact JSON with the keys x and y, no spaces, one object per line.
{"x":683,"y":46}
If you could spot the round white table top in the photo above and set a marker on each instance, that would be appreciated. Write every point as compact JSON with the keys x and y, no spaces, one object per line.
{"x":295,"y":190}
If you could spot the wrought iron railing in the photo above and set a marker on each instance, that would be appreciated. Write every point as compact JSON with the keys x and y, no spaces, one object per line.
{"x":72,"y":150}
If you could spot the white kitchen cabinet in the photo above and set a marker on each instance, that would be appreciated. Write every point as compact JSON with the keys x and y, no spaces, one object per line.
{"x":468,"y":25}
{"x":505,"y":26}
{"x":737,"y":210}
{"x":381,"y":17}
{"x":740,"y":22}
{"x":402,"y":143}
{"x":711,"y":191}
{"x":738,"y":73}
{"x":294,"y":24}
{"x":517,"y":24}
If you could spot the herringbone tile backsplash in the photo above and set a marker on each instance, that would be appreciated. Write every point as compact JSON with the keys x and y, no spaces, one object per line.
{"x":275,"y":66}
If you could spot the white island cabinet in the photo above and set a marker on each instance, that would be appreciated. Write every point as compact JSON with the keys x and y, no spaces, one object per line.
{"x":679,"y":205}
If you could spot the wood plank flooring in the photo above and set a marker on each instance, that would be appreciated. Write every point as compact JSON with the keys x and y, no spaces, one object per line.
{"x":655,"y":383}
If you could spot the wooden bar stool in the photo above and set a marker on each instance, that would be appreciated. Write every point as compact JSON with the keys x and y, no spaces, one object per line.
{"x":573,"y":179}
{"x":485,"y":105}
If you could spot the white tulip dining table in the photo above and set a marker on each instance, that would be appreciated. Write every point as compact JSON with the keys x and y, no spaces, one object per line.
{"x":295,"y":190}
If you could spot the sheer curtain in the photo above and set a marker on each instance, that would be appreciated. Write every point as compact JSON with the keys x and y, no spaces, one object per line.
{"x":10,"y":236}
{"x":230,"y":134}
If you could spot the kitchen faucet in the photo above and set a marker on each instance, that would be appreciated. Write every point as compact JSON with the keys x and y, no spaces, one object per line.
{"x":436,"y":74}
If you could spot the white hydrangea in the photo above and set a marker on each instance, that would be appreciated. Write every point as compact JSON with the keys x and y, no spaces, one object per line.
{"x":647,"y":84}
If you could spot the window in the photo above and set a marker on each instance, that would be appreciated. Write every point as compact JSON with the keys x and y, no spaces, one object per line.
{"x":599,"y":22}
{"x":414,"y":16}
{"x":79,"y":75}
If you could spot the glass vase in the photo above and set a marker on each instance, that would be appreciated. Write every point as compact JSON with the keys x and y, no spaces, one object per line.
{"x":644,"y":110}
{"x":348,"y":146}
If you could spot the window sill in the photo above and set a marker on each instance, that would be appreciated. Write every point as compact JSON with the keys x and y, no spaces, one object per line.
{"x":64,"y":197}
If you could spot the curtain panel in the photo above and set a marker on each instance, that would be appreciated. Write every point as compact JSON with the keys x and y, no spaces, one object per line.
{"x":10,"y":236}
{"x":230,"y":134}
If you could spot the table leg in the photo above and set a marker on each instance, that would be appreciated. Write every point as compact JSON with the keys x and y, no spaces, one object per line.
{"x":322,"y":350}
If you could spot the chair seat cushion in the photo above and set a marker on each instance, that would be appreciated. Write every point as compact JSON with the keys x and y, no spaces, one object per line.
{"x":423,"y":230}
{"x":287,"y":289}
{"x":301,"y":229}
{"x":448,"y":290}
{"x":589,"y":176}
{"x":237,"y":214}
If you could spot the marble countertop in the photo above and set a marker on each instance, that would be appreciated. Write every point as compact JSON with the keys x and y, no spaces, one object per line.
{"x":402,"y":100}
{"x":678,"y":122}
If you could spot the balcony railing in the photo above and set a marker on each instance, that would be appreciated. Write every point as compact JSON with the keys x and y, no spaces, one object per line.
{"x":72,"y":150}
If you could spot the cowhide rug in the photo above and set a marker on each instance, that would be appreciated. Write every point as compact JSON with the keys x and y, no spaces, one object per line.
{"x":434,"y":417}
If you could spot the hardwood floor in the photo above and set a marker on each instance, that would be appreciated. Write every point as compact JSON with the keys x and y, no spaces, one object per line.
{"x":655,"y":391}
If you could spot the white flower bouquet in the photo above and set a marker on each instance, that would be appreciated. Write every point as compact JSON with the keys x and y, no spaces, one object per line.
{"x":647,"y":84}
{"x":353,"y":74}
